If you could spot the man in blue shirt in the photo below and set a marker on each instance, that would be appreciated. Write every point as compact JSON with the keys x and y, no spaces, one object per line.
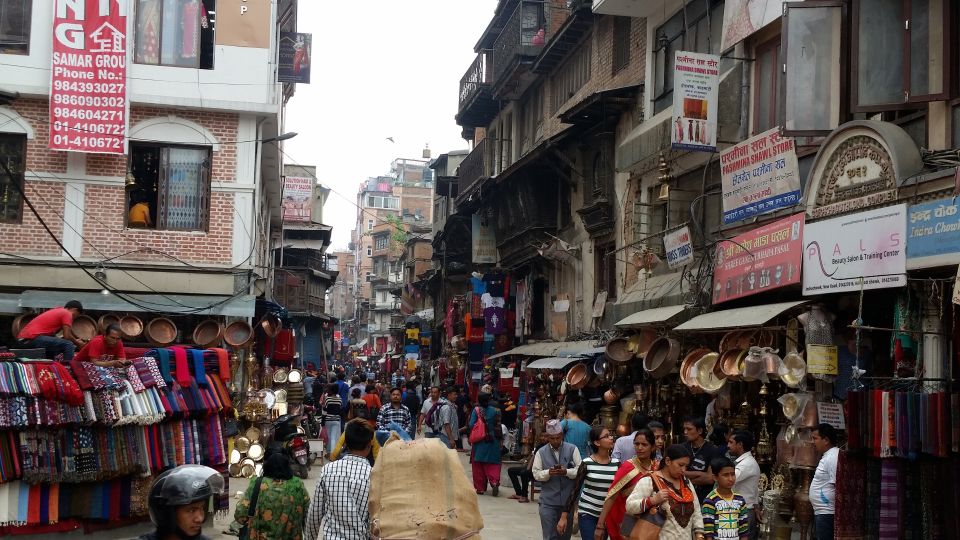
{"x":575,"y":430}
{"x":344,"y":390}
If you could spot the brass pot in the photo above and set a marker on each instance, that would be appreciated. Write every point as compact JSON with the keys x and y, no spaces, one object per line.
{"x":661,"y":357}
{"x":577,"y":377}
{"x":618,"y":350}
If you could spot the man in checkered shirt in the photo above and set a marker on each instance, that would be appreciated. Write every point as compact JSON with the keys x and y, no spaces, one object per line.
{"x":394,"y":412}
{"x":339,"y":507}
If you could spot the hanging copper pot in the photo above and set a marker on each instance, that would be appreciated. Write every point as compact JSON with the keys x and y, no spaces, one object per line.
{"x":662,"y":357}
{"x":84,"y":327}
{"x":809,"y":417}
{"x":577,"y":377}
{"x":161,"y":332}
{"x":271,"y":324}
{"x":238,"y":334}
{"x":727,"y":363}
{"x":20,"y":321}
{"x":208,"y":333}
{"x":618,"y":350}
{"x":687,"y":375}
{"x":610,"y":397}
{"x":106,"y":320}
{"x":131,"y":327}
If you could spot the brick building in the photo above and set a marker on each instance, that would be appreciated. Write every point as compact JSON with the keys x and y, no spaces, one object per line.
{"x":194,"y":154}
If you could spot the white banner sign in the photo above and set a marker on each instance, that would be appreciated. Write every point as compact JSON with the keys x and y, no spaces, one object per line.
{"x":868,"y":247}
{"x":678,"y":246}
{"x":484,"y":241}
{"x":696,"y":82}
{"x":741,"y":18}
{"x":759,"y":175}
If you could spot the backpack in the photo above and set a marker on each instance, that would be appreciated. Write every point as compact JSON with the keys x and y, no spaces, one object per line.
{"x":433,"y":415}
{"x":360,"y":410}
{"x":478,"y":433}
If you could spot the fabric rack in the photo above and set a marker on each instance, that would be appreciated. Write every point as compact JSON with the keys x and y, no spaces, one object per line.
{"x":84,"y":442}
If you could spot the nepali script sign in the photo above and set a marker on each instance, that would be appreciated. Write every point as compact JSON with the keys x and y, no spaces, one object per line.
{"x":678,"y":247}
{"x":933,"y":234}
{"x":88,"y":91}
{"x":768,"y":257}
{"x":484,"y":241}
{"x":759,"y":175}
{"x":696,"y":84}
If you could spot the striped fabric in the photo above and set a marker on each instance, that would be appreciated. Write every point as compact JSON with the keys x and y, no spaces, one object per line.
{"x":595,"y":485}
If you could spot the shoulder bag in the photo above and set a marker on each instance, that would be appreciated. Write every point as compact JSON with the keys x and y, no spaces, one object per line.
{"x":478,"y":433}
{"x":251,"y":512}
{"x":648,"y":525}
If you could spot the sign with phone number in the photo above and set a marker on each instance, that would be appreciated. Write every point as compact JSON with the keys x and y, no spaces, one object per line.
{"x":88,"y":91}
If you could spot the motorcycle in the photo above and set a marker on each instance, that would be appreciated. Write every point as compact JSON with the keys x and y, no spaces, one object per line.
{"x":290,"y":440}
{"x":310,"y":422}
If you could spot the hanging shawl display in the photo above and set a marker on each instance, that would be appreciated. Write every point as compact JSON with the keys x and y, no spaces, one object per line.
{"x":198,"y":370}
{"x":181,"y":366}
{"x":163,"y":362}
{"x":223,"y":363}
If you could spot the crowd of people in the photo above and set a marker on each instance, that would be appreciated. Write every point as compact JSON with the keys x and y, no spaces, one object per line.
{"x":634,"y":486}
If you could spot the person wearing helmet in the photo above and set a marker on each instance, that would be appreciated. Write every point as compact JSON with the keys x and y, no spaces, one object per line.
{"x":178,"y":502}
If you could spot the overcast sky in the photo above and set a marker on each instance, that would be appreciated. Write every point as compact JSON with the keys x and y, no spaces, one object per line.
{"x":380,"y":68}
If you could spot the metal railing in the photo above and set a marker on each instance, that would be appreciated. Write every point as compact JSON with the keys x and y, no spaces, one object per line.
{"x":478,"y":75}
{"x":478,"y":164}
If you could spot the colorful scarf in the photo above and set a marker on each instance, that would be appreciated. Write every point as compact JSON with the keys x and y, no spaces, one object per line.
{"x":627,"y":475}
{"x":890,"y":499}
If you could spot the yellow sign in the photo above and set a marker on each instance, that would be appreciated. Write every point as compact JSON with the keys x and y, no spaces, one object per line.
{"x":822,"y":359}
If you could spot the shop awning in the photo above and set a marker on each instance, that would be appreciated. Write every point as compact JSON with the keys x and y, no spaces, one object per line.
{"x":744,"y":317}
{"x":238,"y":306}
{"x":552,"y":363}
{"x":650,"y":317}
{"x":550,"y":348}
{"x":10,"y":304}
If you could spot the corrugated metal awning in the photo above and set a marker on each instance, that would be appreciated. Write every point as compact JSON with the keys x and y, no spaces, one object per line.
{"x":238,"y":306}
{"x":552,"y":363}
{"x":649,"y":317}
{"x":744,"y":317}
{"x":10,"y":304}
{"x":549,"y":348}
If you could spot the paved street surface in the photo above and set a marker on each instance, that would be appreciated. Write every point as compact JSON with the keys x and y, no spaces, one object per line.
{"x":503,"y":518}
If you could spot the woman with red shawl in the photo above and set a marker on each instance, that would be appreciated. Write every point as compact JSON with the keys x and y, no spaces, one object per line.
{"x":614,"y":508}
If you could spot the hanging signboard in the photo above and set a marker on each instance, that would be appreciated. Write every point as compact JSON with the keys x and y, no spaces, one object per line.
{"x":741,"y":18}
{"x":933,"y":234}
{"x":759,"y":175}
{"x":294,"y":65}
{"x":859,"y":250}
{"x":821,"y":359}
{"x":678,"y":247}
{"x":297,"y":199}
{"x":765,"y":258}
{"x":484,"y":241}
{"x":831,"y":413}
{"x":696,"y":83}
{"x":88,"y":90}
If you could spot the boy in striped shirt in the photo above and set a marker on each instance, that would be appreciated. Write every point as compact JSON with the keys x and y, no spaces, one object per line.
{"x":725,"y":513}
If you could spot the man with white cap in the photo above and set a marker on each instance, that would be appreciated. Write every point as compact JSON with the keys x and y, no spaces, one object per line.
{"x":555,"y":466}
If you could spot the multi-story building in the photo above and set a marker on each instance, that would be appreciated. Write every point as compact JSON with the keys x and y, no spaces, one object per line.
{"x":201,"y":151}
{"x":342,"y":295}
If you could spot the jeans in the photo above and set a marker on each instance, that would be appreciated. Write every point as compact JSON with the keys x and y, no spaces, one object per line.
{"x":333,"y":434}
{"x":520,"y":477}
{"x":588,"y":525}
{"x":549,"y":517}
{"x":54,"y":346}
{"x":823,"y":526}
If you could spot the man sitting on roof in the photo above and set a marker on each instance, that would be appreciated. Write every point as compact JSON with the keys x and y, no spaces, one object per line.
{"x":41,"y":332}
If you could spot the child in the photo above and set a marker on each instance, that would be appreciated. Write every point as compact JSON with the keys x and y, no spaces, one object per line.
{"x":725,"y":514}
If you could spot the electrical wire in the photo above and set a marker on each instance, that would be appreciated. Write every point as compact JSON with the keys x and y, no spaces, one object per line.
{"x":123,"y":296}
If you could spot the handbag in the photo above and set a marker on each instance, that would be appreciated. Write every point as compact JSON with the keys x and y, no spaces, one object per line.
{"x":245,"y":530}
{"x":647,"y":526}
{"x":478,"y":433}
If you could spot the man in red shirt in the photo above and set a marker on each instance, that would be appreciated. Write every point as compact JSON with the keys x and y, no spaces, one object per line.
{"x":106,"y":350}
{"x":41,"y":332}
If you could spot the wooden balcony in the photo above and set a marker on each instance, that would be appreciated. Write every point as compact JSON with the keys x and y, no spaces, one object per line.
{"x":476,"y":167}
{"x":526,"y":33}
{"x":477,"y":106}
{"x":299,"y":290}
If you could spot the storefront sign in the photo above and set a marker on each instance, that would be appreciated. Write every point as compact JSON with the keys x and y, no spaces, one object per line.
{"x":865,"y":250}
{"x":933,"y":234}
{"x":765,"y":258}
{"x":696,"y":82}
{"x":858,"y":174}
{"x":244,"y":23}
{"x":741,"y":18}
{"x":294,"y":65}
{"x":678,"y":246}
{"x":88,"y":90}
{"x":297,"y":199}
{"x":484,"y":241}
{"x":759,"y":175}
{"x":831,"y":413}
{"x":821,"y":359}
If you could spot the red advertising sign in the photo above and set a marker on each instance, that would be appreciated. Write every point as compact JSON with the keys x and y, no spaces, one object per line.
{"x":88,"y":90}
{"x":765,"y":258}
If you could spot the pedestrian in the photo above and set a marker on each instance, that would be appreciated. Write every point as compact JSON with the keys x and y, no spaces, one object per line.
{"x":747,"y":476}
{"x":332,"y":412}
{"x":355,"y":384}
{"x":485,"y":455}
{"x":281,"y":505}
{"x":359,"y":410}
{"x":412,"y":402}
{"x":463,"y":412}
{"x":449,"y":420}
{"x":344,"y":390}
{"x":372,"y":397}
{"x":41,"y":332}
{"x":659,"y":433}
{"x":823,"y":488}
{"x":428,"y":412}
{"x":719,"y":436}
{"x":614,"y":511}
{"x":594,"y":478}
{"x":555,"y":466}
{"x":575,"y":430}
{"x":702,"y":453}
{"x":521,"y":476}
{"x":394,"y":412}
{"x":623,"y":449}
{"x":667,"y":492}
{"x":178,"y":502}
{"x":311,"y":375}
{"x":725,"y":513}
{"x":105,"y":350}
{"x":339,"y":509}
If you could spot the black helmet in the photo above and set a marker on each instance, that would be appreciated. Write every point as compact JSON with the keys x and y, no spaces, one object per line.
{"x":180,"y":486}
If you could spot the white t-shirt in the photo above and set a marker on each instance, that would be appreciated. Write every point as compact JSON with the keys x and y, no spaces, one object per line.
{"x":748,"y":478}
{"x":823,"y":488}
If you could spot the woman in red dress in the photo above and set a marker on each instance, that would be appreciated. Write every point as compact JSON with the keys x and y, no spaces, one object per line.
{"x":614,"y":509}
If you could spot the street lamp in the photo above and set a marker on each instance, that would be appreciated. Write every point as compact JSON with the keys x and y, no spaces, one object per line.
{"x":282,"y":137}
